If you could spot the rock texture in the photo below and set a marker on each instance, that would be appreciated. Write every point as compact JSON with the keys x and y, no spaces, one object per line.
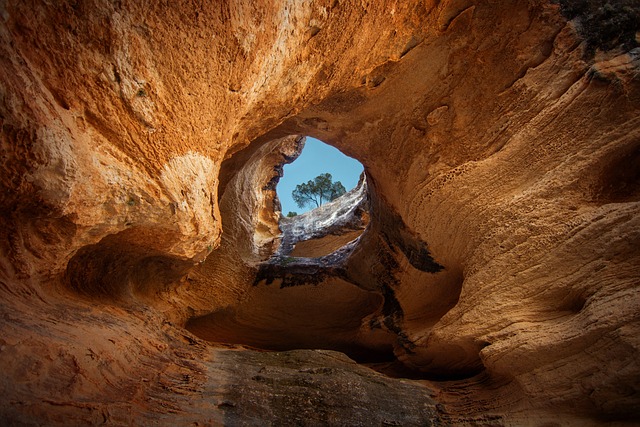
{"x":140,"y":146}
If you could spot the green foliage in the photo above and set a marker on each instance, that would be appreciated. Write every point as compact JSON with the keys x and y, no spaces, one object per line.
{"x":317,"y":191}
{"x":604,"y":24}
{"x":286,"y":260}
{"x":292,"y":214}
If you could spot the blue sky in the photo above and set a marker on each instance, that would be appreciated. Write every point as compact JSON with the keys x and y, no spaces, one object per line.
{"x":316,"y":158}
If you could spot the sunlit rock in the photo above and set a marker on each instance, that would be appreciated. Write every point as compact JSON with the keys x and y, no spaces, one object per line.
{"x":145,"y":274}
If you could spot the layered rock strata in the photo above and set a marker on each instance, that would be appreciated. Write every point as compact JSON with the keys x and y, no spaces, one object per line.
{"x":140,"y":146}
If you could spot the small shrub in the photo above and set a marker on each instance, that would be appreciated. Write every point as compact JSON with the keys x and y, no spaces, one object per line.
{"x":287,"y":260}
{"x":604,"y":24}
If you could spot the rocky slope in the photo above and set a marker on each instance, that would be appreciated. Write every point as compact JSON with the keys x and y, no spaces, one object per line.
{"x":499,"y":269}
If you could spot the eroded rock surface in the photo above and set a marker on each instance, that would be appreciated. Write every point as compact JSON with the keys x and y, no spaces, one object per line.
{"x":140,"y":146}
{"x":306,"y":387}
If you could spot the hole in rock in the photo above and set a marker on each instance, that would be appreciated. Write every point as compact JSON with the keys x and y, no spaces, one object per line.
{"x":325,"y":278}
{"x":619,"y":180}
{"x":299,"y":297}
{"x":316,"y":158}
{"x":322,"y":195}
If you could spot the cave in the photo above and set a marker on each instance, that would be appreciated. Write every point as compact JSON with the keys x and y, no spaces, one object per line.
{"x":297,"y":299}
{"x":483,"y":272}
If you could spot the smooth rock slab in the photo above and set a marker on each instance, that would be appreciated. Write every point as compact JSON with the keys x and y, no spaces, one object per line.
{"x":317,"y":387}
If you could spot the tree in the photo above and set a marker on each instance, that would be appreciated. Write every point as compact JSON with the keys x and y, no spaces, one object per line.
{"x":292,"y":214}
{"x":317,"y":191}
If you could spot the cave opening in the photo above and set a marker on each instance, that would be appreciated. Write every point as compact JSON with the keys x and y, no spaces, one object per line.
{"x":315,"y":159}
{"x":328,"y":190}
{"x":300,"y":297}
{"x":325,"y":279}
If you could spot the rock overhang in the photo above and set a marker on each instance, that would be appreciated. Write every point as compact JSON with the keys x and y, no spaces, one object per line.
{"x":502,"y":245}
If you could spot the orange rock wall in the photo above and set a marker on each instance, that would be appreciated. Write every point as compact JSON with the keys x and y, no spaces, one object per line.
{"x":134,"y":133}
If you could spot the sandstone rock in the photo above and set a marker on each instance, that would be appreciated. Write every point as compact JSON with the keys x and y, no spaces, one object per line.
{"x":499,"y":269}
